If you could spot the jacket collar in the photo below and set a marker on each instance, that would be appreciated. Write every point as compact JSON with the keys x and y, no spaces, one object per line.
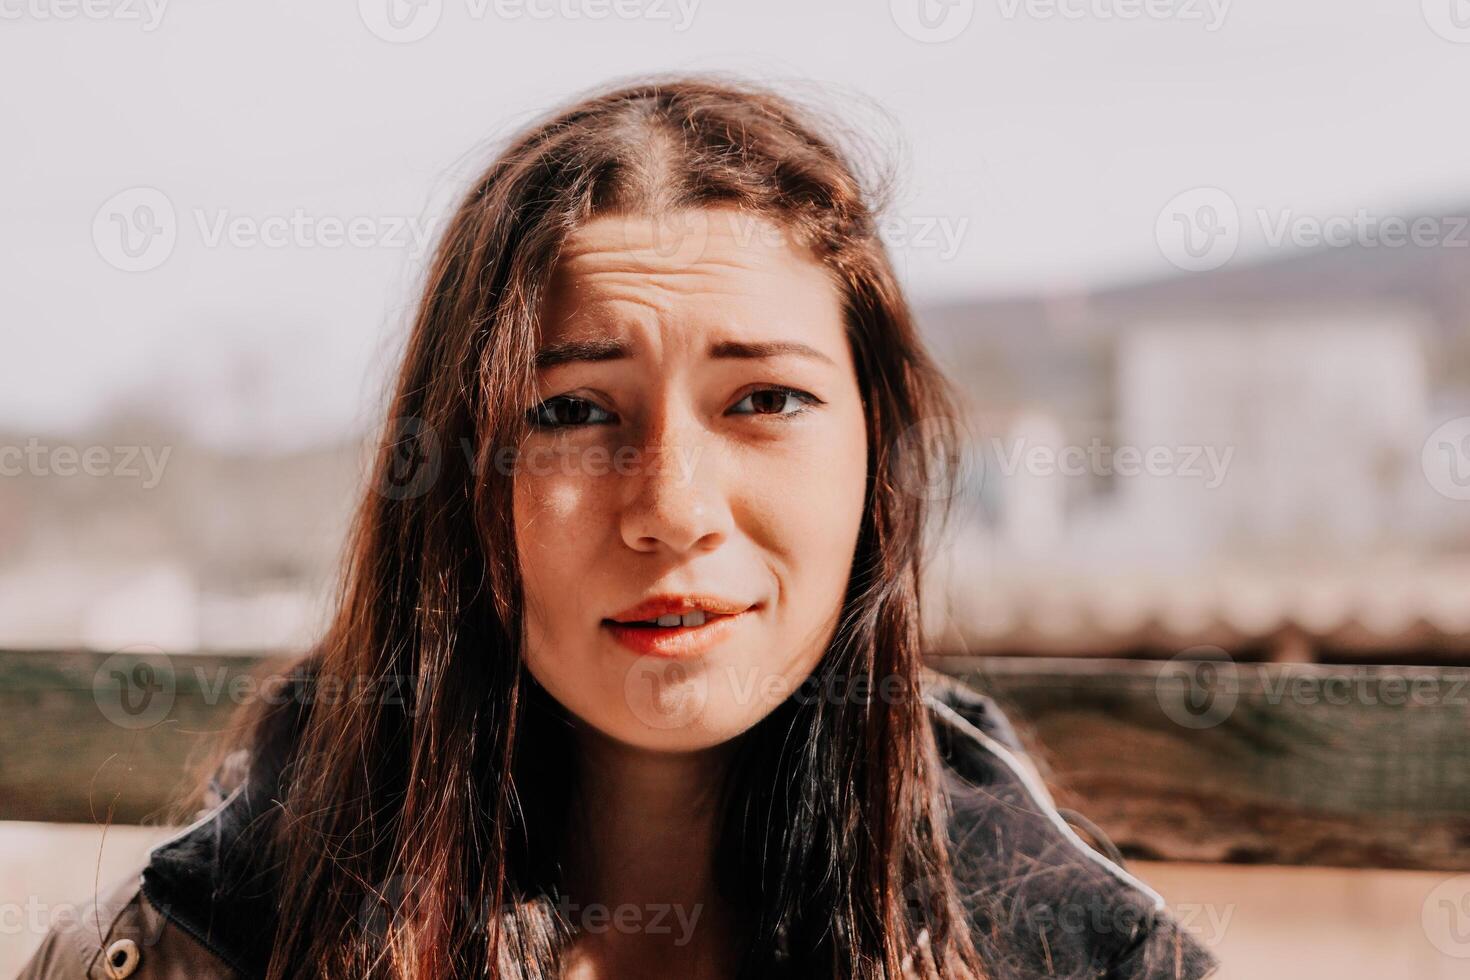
{"x":204,"y":880}
{"x":1019,"y":859}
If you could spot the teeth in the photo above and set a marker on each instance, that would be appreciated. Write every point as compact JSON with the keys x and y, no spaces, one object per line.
{"x":695,"y":618}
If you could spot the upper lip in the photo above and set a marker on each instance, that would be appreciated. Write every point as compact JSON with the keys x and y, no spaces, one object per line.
{"x":671,"y":604}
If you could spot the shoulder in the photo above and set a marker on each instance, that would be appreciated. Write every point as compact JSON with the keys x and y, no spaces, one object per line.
{"x":186,"y":912}
{"x":120,"y":934}
{"x":1044,"y":902}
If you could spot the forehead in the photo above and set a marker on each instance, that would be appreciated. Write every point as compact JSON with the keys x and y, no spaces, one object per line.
{"x":696,"y":270}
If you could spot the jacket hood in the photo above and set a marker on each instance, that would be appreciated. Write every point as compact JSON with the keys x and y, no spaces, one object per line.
{"x":1043,"y":902}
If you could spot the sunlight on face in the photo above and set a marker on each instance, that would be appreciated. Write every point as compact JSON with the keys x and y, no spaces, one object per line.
{"x":701,"y":432}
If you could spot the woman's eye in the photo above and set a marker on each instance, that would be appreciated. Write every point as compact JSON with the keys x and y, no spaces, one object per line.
{"x":564,"y":412}
{"x":776,"y":401}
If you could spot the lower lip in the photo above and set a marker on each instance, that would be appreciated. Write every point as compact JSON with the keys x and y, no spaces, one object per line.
{"x":676,"y":641}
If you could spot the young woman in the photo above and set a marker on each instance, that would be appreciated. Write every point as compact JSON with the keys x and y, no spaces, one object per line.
{"x":625,"y":679}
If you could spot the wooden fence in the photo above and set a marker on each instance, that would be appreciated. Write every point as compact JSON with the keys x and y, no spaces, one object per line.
{"x":1344,"y":765}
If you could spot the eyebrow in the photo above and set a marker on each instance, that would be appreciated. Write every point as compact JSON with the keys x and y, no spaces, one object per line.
{"x":608,"y":349}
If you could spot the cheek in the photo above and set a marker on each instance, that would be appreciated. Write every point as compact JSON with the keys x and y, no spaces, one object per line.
{"x":819,"y":525}
{"x":812,"y":506}
{"x":835,"y":511}
{"x":556,"y":523}
{"x":558,"y":526}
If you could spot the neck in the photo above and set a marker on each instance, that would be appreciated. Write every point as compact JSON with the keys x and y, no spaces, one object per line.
{"x":641,"y":843}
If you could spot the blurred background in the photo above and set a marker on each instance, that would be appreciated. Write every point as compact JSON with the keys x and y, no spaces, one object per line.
{"x":1201,"y":268}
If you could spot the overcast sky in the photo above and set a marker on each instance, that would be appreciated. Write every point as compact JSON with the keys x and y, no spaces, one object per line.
{"x":1038,"y":145}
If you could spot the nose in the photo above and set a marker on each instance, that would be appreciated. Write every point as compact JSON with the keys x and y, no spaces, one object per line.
{"x":675,"y":495}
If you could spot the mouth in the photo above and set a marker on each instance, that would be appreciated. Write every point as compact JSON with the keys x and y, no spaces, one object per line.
{"x":674,"y":627}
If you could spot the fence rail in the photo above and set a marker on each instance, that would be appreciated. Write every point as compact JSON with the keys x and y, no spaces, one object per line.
{"x":1345,"y":765}
{"x":1297,"y":764}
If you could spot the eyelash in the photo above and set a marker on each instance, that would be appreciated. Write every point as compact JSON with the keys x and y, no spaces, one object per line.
{"x":808,"y":400}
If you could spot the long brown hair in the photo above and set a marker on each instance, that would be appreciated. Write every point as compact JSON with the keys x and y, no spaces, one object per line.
{"x":441,"y":803}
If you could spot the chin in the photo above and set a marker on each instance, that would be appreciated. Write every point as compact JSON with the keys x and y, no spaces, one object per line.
{"x":680,"y":742}
{"x":660,"y":704}
{"x":683,"y":719}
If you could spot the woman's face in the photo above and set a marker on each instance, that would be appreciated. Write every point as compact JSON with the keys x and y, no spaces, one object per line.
{"x":702,"y":440}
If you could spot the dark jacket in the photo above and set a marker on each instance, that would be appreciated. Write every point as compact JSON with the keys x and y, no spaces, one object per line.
{"x":1045,"y":903}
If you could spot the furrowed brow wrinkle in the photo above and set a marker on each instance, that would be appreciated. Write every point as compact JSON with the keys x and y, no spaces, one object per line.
{"x":597,"y":349}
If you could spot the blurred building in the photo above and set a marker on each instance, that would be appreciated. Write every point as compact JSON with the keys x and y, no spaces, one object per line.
{"x":1231,"y":457}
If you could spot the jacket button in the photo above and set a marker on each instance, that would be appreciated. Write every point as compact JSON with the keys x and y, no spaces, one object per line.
{"x":122,"y":959}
